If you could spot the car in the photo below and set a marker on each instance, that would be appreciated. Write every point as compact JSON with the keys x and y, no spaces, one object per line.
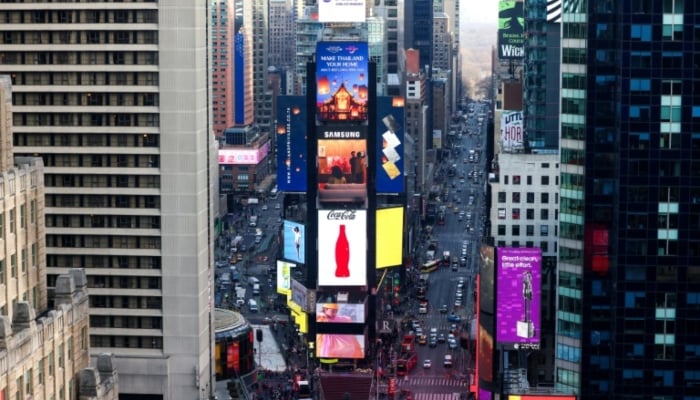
{"x":459,"y":294}
{"x":415,"y":324}
{"x":264,"y":207}
{"x":452,"y":343}
{"x":448,"y":361}
{"x":419,"y":333}
{"x":453,"y":328}
{"x":453,"y":317}
{"x":432,"y":342}
{"x":441,"y":338}
{"x":443,"y":309}
{"x":422,"y":339}
{"x":455,"y":267}
{"x":458,"y":304}
{"x":427,"y":364}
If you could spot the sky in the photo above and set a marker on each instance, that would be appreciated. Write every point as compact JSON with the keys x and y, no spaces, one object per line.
{"x":485,"y":11}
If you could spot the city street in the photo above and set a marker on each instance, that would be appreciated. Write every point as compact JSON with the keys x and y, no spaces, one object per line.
{"x":439,"y":382}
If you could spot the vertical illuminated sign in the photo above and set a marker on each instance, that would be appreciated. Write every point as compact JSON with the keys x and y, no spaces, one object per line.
{"x":518,"y":295}
{"x":342,"y":73}
{"x":291,"y":137}
{"x":390,"y":147}
{"x":511,"y":30}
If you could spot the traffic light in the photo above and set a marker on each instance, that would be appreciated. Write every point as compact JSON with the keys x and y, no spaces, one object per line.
{"x":397,"y":287}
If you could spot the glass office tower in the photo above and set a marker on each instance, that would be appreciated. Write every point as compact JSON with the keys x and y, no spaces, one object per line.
{"x":629,"y":269}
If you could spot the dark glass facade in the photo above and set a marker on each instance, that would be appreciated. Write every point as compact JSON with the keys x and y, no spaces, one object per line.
{"x":629,"y":275}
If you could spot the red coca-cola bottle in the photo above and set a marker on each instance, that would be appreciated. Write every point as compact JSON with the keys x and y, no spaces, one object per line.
{"x":342,"y":254}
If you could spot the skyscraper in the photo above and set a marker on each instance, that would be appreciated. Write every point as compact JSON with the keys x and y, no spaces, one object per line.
{"x":629,"y":278}
{"x":114,"y":98}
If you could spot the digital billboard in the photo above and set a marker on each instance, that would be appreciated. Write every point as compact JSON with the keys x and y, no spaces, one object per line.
{"x":244,"y":156}
{"x":331,"y":345}
{"x":301,"y":295}
{"x":342,"y":247}
{"x":293,"y":244}
{"x":342,"y":171}
{"x":291,"y":143}
{"x":512,"y":131}
{"x":390,"y":147}
{"x":342,"y":73}
{"x":511,"y":30}
{"x":389,"y":229}
{"x":518,"y":295}
{"x":284,"y":277}
{"x":341,"y":11}
{"x":344,"y":313}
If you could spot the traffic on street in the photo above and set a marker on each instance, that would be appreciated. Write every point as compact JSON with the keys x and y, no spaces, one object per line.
{"x":435,"y":357}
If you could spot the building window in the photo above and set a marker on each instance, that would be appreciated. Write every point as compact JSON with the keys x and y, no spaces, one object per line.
{"x":544,"y":214}
{"x":544,"y":246}
{"x":516,"y":213}
{"x":516,"y":197}
{"x":12,"y":220}
{"x":516,"y":179}
{"x":529,"y":230}
{"x":515,"y":230}
{"x":544,"y":230}
{"x":13,"y":265}
{"x":530,"y":213}
{"x":501,"y":230}
{"x":529,"y":179}
{"x":530,"y":197}
{"x":544,"y":198}
{"x":40,"y":371}
{"x":501,"y":197}
{"x":501,"y":213}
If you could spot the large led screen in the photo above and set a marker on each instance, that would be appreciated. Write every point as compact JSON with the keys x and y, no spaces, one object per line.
{"x":244,"y":156}
{"x":390,"y":146}
{"x":343,"y":313}
{"x":511,"y":30}
{"x":284,"y":277}
{"x":342,"y":74}
{"x":300,"y":295}
{"x":341,"y":11}
{"x":293,"y":241}
{"x":331,"y":345}
{"x":342,"y":171}
{"x":518,"y":295}
{"x":389,"y":229}
{"x":342,"y":247}
{"x":291,"y":143}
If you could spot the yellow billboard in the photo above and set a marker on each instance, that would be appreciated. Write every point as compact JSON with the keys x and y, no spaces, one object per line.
{"x":389,"y":237}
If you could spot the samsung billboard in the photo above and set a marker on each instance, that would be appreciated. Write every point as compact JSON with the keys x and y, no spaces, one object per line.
{"x":519,"y":274}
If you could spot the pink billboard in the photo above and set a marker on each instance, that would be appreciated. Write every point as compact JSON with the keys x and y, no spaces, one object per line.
{"x":518,"y":276}
{"x":244,"y":156}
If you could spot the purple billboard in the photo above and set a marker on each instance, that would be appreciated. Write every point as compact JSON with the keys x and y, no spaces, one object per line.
{"x":291,"y":144}
{"x":519,"y":275}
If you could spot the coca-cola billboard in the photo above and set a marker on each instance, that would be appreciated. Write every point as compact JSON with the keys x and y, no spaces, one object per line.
{"x":342,"y":248}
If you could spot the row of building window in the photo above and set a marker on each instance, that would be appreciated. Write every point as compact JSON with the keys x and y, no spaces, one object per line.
{"x":23,"y":259}
{"x":529,"y":197}
{"x":100,"y":261}
{"x":529,"y":244}
{"x":529,"y":230}
{"x":529,"y":214}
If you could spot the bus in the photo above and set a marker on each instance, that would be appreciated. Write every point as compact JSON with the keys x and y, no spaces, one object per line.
{"x":429,"y":266}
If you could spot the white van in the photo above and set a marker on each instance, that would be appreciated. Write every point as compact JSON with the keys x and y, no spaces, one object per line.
{"x":256,"y":289}
{"x":252,"y":305}
{"x":252,"y":281}
{"x":448,"y":361}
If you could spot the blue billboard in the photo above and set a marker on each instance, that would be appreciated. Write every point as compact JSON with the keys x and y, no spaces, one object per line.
{"x":390,"y":145}
{"x":342,"y":74}
{"x":291,"y":144}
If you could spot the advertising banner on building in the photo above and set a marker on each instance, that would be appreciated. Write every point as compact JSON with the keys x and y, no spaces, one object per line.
{"x":343,"y":313}
{"x":512,"y":132}
{"x":342,"y":169}
{"x":511,"y":30}
{"x":518,"y":296}
{"x":284,"y":277}
{"x":330,"y":345}
{"x":342,"y":72}
{"x":244,"y":156}
{"x":341,"y":11}
{"x":300,"y":295}
{"x":342,"y":248}
{"x":390,"y":146}
{"x":389,"y":229}
{"x":291,"y":144}
{"x":294,"y":248}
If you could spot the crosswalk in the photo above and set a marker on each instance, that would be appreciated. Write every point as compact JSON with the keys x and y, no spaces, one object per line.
{"x":430,"y":381}
{"x":436,"y":396}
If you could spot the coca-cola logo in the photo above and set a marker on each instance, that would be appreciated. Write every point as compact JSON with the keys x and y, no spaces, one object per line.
{"x":341,"y":215}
